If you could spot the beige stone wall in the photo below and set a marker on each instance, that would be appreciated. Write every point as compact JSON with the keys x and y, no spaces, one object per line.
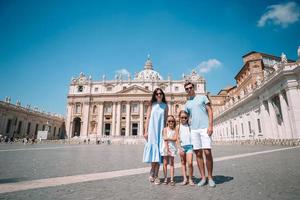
{"x":19,"y":122}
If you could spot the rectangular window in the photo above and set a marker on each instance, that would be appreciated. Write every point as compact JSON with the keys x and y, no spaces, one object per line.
{"x":134,"y":108}
{"x":109,"y":89}
{"x":249,"y":125}
{"x":43,"y":128}
{"x":123,"y":131}
{"x":54,"y":131}
{"x":123,"y":108}
{"x":28,"y":128}
{"x":107,"y":109}
{"x":19,"y":127}
{"x":77,"y":108}
{"x":259,"y":126}
{"x":96,"y":89}
{"x":242,"y":125}
{"x":8,"y":126}
{"x":176,"y":88}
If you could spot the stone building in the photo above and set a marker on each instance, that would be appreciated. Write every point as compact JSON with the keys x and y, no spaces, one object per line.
{"x":19,"y":122}
{"x":118,"y":107}
{"x":264,"y":104}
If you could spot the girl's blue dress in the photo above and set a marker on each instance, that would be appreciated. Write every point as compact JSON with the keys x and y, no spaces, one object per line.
{"x":152,"y":150}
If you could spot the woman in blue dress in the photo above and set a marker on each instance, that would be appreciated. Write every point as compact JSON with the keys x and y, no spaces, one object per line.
{"x":155,"y":122}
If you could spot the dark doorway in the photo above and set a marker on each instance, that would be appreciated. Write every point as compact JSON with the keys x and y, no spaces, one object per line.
{"x":107,"y":129}
{"x":135,"y":127}
{"x":76,"y":127}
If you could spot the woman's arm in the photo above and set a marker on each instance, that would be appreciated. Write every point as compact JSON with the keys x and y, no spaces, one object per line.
{"x":147,"y":122}
{"x":166,"y":115}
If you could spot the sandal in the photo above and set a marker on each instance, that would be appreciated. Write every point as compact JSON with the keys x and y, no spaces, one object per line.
{"x":184,"y":182}
{"x":172,"y":183}
{"x":157,"y":181}
{"x":151,"y":179}
{"x":165,"y":181}
{"x":191,"y":183}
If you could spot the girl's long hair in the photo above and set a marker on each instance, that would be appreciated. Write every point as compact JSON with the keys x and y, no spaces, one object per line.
{"x":153,"y":98}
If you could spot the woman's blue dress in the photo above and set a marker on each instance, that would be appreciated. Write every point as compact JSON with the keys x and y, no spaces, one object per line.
{"x":152,"y":150}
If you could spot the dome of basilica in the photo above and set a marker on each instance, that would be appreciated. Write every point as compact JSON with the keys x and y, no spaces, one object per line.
{"x":148,"y":73}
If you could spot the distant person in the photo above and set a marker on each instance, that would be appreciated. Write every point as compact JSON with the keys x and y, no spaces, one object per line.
{"x":169,"y":149}
{"x":185,"y":147}
{"x":200,"y":111}
{"x":155,"y":122}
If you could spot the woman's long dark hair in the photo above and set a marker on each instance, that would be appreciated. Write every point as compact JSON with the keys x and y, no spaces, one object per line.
{"x":154,"y":100}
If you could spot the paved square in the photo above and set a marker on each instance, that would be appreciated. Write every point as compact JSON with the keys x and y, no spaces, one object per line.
{"x":116,"y":172}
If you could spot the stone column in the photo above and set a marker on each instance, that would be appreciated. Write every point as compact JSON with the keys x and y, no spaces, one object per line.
{"x":127,"y":132}
{"x":287,"y":132}
{"x":100,"y":120}
{"x":265,"y":121}
{"x":141,"y":132}
{"x":273,"y":121}
{"x":293,"y":97}
{"x":85,"y":121}
{"x":69,"y":120}
{"x":118,"y":124}
{"x":170,"y":110}
{"x":113,"y":121}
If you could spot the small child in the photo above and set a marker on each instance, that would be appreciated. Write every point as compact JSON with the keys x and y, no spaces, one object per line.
{"x":185,"y":147}
{"x":169,"y":148}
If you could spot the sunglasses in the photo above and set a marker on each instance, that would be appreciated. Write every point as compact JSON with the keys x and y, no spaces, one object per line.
{"x":188,"y":88}
{"x":171,"y":121}
{"x":183,"y":117}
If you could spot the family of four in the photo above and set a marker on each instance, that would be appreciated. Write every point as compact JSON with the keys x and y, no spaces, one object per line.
{"x":193,"y":134}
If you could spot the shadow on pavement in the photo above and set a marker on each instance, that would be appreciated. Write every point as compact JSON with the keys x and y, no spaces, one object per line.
{"x":219,"y":179}
{"x":12,"y":180}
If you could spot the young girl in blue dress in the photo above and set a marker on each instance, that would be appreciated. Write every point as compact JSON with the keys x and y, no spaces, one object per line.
{"x":155,"y":122}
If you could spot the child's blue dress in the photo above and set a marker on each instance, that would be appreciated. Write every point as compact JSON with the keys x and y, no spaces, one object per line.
{"x":152,"y":150}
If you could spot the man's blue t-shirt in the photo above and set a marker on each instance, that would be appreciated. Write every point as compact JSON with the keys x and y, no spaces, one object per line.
{"x":196,"y":107}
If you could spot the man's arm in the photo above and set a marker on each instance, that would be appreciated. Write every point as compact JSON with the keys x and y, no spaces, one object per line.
{"x":210,"y":119}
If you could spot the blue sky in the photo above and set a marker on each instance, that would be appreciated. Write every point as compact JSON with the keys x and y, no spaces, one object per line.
{"x":44,"y":43}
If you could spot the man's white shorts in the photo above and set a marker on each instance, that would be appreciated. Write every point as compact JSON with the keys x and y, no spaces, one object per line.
{"x":200,"y":139}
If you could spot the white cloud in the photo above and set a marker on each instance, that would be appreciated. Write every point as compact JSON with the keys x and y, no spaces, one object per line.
{"x":280,"y":14}
{"x":206,"y":66}
{"x":122,"y":72}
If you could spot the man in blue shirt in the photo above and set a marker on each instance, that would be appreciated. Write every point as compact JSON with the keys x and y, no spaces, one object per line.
{"x":201,"y":117}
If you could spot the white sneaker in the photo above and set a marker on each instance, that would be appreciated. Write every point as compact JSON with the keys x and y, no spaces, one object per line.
{"x":211,"y":183}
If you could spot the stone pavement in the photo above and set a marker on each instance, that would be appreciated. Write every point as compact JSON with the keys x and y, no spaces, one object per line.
{"x":270,"y":175}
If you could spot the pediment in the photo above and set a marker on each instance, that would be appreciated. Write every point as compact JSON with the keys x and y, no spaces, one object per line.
{"x":134,"y":90}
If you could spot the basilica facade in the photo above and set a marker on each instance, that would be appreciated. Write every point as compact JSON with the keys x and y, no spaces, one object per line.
{"x":117,"y":108}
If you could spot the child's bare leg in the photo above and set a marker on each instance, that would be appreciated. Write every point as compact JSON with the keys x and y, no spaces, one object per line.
{"x":172,"y":167}
{"x":183,"y":165}
{"x":189,"y":158}
{"x":165,"y":166}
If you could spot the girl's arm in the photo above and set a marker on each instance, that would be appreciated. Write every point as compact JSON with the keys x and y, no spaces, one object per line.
{"x":178,"y":137}
{"x":165,"y":136}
